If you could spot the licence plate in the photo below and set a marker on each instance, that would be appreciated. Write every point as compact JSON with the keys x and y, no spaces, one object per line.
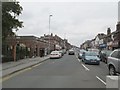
{"x":93,"y":61}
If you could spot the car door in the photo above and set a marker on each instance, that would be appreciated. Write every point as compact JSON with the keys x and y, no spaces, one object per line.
{"x":114,"y":59}
{"x":119,"y":61}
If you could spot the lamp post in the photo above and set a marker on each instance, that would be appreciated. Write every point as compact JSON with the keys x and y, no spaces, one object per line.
{"x":49,"y":31}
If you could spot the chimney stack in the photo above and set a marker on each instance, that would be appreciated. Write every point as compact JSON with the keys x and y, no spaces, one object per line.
{"x":108,"y":31}
{"x":118,"y":26}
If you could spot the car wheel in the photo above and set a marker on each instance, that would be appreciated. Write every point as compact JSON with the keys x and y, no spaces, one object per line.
{"x":112,"y":71}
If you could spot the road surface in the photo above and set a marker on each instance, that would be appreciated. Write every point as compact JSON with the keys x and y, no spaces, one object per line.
{"x":66,"y":72}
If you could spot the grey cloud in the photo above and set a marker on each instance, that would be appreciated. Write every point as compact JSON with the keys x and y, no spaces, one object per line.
{"x":80,"y":21}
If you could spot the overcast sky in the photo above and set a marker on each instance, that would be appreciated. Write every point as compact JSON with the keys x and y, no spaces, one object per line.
{"x":75,"y":21}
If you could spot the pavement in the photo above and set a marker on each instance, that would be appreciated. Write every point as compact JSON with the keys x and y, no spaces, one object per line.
{"x":12,"y":67}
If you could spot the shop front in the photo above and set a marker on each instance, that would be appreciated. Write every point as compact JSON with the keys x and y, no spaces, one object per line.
{"x":102,"y":46}
{"x":116,"y":45}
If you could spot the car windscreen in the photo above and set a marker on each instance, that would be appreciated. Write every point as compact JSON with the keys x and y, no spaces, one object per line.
{"x":106,"y":52}
{"x":81,"y":51}
{"x":90,"y":54}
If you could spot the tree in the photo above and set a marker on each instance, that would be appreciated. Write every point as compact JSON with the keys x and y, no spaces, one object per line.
{"x":10,"y":13}
{"x":10,"y":21}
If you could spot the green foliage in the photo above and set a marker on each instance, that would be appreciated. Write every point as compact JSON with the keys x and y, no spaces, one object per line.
{"x":10,"y":12}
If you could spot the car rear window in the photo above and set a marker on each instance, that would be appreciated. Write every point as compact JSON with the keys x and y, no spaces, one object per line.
{"x":55,"y":52}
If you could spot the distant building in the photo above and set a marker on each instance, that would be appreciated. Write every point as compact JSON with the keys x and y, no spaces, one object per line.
{"x":57,"y":41}
{"x":93,"y":43}
{"x":109,"y":41}
{"x":116,"y":37}
{"x":99,"y":42}
{"x":86,"y":44}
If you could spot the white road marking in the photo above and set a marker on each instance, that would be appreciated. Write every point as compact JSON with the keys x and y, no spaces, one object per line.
{"x":79,"y":60}
{"x":101,"y":80}
{"x":85,"y":67}
{"x":76,"y":56}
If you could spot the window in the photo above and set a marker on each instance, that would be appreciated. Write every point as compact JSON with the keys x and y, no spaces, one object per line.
{"x":118,"y":54}
{"x":115,"y":54}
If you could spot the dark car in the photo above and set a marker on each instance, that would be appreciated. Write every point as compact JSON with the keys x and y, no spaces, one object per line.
{"x":104,"y":55}
{"x":81,"y":53}
{"x":91,"y":58}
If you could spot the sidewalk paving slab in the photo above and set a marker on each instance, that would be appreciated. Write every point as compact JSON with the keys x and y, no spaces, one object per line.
{"x":12,"y":67}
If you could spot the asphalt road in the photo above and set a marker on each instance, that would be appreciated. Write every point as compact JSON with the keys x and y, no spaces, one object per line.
{"x":67,"y":72}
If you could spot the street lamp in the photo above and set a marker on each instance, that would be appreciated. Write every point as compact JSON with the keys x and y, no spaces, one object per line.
{"x":49,"y":22}
{"x":49,"y":31}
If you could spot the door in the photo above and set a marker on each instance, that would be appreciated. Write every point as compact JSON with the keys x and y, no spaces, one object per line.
{"x":119,"y":61}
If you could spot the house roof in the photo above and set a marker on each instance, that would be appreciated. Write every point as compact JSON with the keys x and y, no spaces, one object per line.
{"x":101,"y":35}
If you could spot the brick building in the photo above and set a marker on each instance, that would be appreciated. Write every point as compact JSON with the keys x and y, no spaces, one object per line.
{"x":19,"y":47}
{"x":116,"y":37}
{"x":56,"y":41}
{"x":26,"y":46}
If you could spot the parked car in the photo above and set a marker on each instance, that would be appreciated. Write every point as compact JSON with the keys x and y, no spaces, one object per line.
{"x":94,"y":50}
{"x":104,"y":55}
{"x":114,"y":62}
{"x":71,"y":52}
{"x":62,"y":52}
{"x":55,"y":54}
{"x":91,"y":58}
{"x":80,"y":53}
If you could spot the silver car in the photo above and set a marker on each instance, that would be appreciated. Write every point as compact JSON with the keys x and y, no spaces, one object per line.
{"x":114,"y":62}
